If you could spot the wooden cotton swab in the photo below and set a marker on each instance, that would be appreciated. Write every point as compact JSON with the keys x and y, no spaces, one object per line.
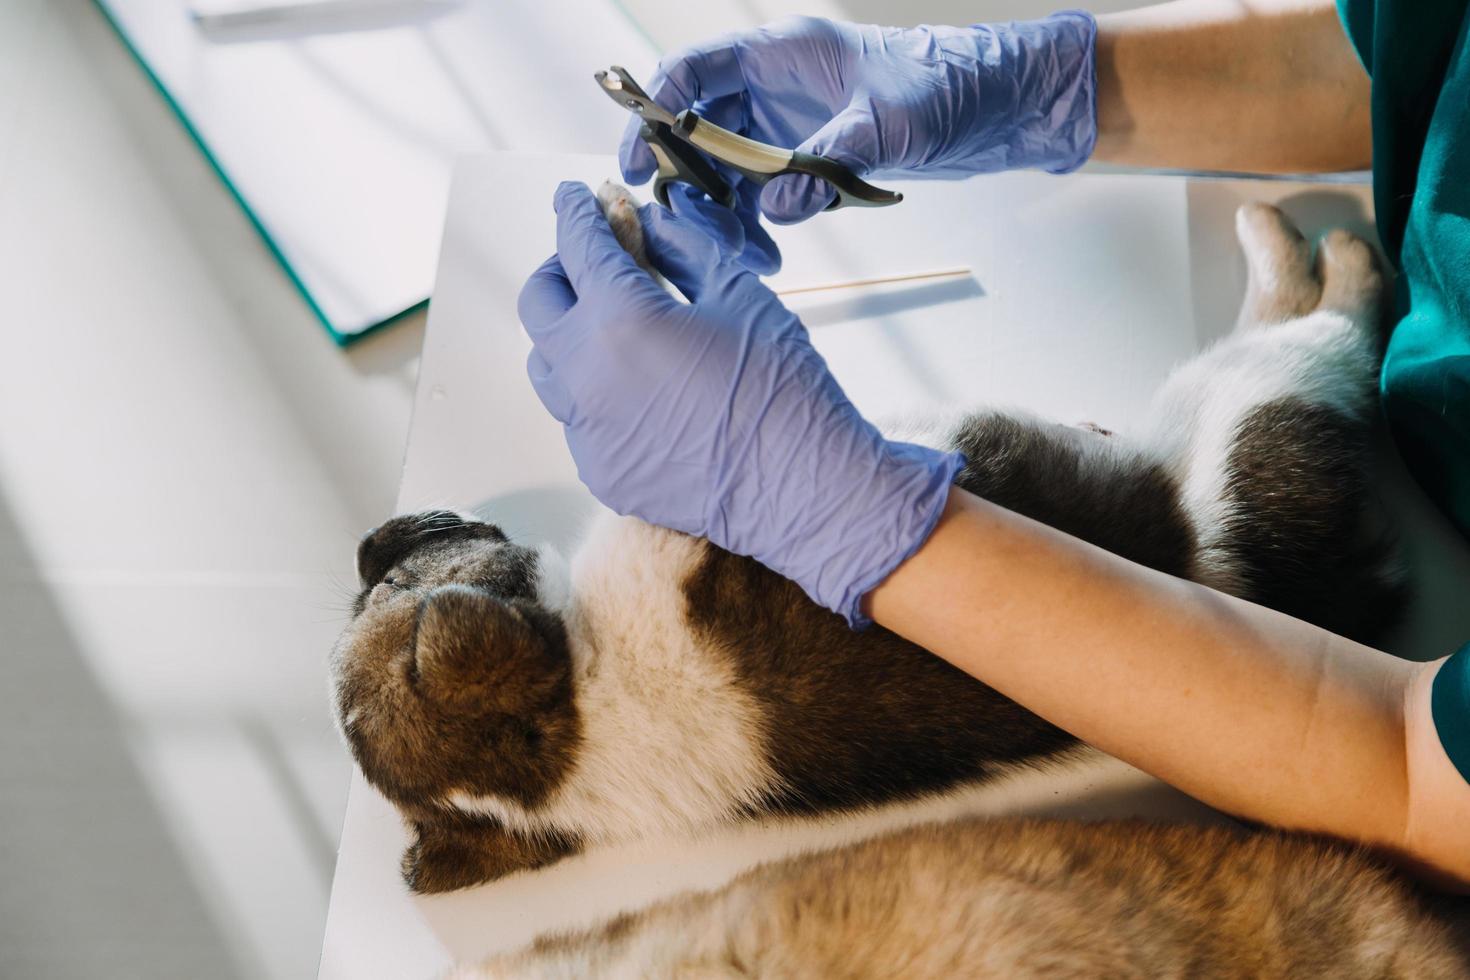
{"x":876,"y":281}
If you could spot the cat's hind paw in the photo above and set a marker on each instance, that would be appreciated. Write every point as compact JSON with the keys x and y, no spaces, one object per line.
{"x":1284,"y":284}
{"x":1352,"y":278}
{"x":1281,"y":284}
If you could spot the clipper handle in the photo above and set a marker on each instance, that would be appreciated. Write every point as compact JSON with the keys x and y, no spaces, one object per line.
{"x":679,"y":161}
{"x":762,"y":161}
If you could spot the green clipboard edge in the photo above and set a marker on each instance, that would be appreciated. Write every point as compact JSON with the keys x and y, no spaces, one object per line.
{"x":338,"y":337}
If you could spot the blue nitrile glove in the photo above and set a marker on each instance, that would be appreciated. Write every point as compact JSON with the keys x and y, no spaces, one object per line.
{"x":728,"y":228}
{"x":889,"y":101}
{"x":718,"y":417}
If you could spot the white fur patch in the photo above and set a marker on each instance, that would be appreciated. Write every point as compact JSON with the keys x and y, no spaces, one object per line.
{"x":553,"y":579}
{"x":671,"y":741}
{"x":1324,"y":359}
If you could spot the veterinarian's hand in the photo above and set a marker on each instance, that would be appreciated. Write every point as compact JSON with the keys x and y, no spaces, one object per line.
{"x":718,"y":417}
{"x":888,"y":101}
{"x":738,"y":232}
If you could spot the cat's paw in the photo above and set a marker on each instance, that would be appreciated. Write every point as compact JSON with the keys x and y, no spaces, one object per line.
{"x":621,"y":209}
{"x":1352,"y":278}
{"x":453,"y":850}
{"x":1284,"y":284}
{"x":1281,"y":283}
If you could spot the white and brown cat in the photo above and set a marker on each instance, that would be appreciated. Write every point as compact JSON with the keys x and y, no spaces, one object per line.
{"x":518,"y":708}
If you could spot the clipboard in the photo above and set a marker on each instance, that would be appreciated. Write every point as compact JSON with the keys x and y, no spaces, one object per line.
{"x":337,"y":138}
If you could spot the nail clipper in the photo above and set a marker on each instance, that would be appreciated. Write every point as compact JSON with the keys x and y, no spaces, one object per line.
{"x":676,"y":142}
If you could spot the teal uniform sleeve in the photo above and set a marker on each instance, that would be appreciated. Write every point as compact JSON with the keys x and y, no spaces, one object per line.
{"x":1449,"y":705}
{"x":1417,"y":53}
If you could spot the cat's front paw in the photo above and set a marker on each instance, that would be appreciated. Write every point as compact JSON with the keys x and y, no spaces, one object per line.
{"x":621,"y":209}
{"x":453,"y":851}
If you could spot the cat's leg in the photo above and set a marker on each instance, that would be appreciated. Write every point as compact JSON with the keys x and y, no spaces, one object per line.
{"x":454,"y":850}
{"x":621,"y":208}
{"x":1352,"y":280}
{"x":1280,"y":285}
{"x":689,"y":937}
{"x":1310,"y":330}
{"x":1306,"y":328}
{"x":1268,"y":434}
{"x":1096,"y":486}
{"x":1284,"y":284}
{"x":1025,"y":898}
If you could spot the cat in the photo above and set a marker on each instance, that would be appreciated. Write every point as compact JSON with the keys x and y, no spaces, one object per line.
{"x":1012,"y":898}
{"x":518,"y":710}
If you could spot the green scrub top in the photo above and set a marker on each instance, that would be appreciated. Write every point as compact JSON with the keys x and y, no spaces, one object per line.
{"x":1417,"y":53}
{"x":1418,"y":56}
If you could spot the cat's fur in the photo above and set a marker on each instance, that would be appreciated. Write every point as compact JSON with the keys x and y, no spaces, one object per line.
{"x":517,"y":710}
{"x":1026,"y":898}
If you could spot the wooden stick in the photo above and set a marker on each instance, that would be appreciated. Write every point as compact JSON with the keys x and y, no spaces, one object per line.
{"x":876,"y":281}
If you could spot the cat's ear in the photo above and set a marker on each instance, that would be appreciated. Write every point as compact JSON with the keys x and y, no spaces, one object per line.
{"x":477,"y":653}
{"x":453,"y":850}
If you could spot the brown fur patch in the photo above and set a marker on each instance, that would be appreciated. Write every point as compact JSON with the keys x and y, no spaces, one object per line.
{"x":1104,"y":494}
{"x":449,"y":680}
{"x":1298,"y":486}
{"x":852,"y":718}
{"x":1032,"y":898}
{"x":464,"y":693}
{"x":867,"y":717}
{"x":452,"y":850}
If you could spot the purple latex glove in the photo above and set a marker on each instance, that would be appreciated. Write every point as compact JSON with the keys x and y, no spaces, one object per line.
{"x":718,"y":417}
{"x":888,"y":101}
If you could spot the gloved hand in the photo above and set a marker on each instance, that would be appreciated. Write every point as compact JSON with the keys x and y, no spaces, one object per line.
{"x":888,"y":101}
{"x":718,"y":417}
{"x":738,"y":232}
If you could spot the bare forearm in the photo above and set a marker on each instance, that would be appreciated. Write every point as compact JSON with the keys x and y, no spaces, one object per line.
{"x":1266,"y":86}
{"x":1247,"y":709}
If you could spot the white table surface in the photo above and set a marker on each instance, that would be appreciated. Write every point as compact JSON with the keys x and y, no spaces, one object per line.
{"x":1085,"y":290}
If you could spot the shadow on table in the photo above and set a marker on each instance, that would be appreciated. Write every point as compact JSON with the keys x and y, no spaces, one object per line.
{"x":93,"y":883}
